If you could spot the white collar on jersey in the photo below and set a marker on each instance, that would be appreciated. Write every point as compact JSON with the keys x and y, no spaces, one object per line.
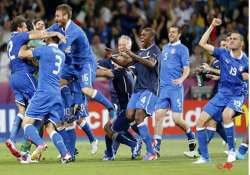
{"x":148,"y":47}
{"x":67,"y":25}
{"x":53,"y":44}
{"x":176,"y":43}
{"x":238,"y":58}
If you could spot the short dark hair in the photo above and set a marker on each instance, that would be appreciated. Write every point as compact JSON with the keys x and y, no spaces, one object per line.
{"x":151,"y":31}
{"x":176,"y":27}
{"x":37,"y":20}
{"x":17,"y":22}
{"x":65,"y":8}
{"x":55,"y":39}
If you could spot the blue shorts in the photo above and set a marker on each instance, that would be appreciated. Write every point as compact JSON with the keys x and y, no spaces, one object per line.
{"x":85,"y":73}
{"x":23,"y":86}
{"x":44,"y":105}
{"x":143,"y":99}
{"x":219,"y":102}
{"x":170,"y":98}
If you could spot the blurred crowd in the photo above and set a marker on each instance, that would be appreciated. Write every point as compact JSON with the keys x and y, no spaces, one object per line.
{"x":105,"y":20}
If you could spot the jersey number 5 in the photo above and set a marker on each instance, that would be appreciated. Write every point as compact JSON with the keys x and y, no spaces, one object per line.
{"x":58,"y":64}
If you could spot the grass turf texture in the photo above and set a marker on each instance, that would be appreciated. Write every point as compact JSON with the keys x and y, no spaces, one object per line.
{"x":171,"y":162}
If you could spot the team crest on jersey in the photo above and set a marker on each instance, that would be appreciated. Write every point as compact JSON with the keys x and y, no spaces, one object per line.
{"x":173,"y":51}
{"x":227,"y":61}
{"x":241,"y":68}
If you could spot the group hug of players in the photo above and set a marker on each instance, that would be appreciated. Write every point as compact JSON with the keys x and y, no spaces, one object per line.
{"x":148,"y":81}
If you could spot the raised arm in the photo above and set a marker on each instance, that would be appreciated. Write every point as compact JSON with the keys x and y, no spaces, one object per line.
{"x":204,"y":39}
{"x":45,"y":34}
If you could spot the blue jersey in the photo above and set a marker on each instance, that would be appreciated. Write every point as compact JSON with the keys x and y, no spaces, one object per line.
{"x":148,"y":78}
{"x":51,"y":60}
{"x":16,"y":41}
{"x":174,"y":58}
{"x":231,"y":81}
{"x":77,"y":47}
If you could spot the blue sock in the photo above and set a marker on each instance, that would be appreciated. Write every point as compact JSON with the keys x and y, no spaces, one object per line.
{"x":85,"y":127}
{"x":109,"y":150}
{"x":210,"y":133}
{"x":31,"y":133}
{"x":16,"y":127}
{"x":190,"y":134}
{"x":67,"y":97}
{"x":202,"y":139}
{"x":124,"y":140}
{"x":158,"y":142}
{"x":58,"y":142}
{"x":243,"y":148}
{"x":221,"y":131}
{"x":229,"y":130}
{"x":103,"y":100}
{"x":144,"y":132}
{"x":72,"y":140}
{"x":65,"y":137}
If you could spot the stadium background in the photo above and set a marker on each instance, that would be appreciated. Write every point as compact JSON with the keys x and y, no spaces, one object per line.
{"x":105,"y":20}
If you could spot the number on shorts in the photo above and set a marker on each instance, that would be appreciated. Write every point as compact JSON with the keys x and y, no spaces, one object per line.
{"x":85,"y":77}
{"x":237,"y":103}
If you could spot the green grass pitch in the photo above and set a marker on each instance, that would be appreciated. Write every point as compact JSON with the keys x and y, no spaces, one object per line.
{"x":171,"y":162}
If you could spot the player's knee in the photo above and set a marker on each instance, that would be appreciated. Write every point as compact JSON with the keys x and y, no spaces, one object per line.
{"x":130,"y":115}
{"x":140,"y":116}
{"x":26,"y":121}
{"x":63,"y":82}
{"x":88,"y":91}
{"x":50,"y":127}
{"x":202,"y":120}
{"x":159,"y":114}
{"x":108,"y":131}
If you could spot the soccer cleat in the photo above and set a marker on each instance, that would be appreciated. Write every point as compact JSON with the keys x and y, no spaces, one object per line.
{"x":94,"y":146}
{"x":231,"y":157}
{"x":66,"y":159}
{"x":191,"y":154}
{"x":150,"y":156}
{"x":11,"y":146}
{"x":136,"y":151}
{"x":26,"y":159}
{"x":36,"y":155}
{"x":201,"y":160}
{"x":239,"y":156}
{"x":106,"y":157}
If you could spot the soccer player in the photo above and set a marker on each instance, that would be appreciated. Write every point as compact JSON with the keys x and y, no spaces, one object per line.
{"x":80,"y":59}
{"x":231,"y":91}
{"x":143,"y":99}
{"x":39,"y":25}
{"x":21,"y":80}
{"x":117,"y":132}
{"x":174,"y":70}
{"x":47,"y":102}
